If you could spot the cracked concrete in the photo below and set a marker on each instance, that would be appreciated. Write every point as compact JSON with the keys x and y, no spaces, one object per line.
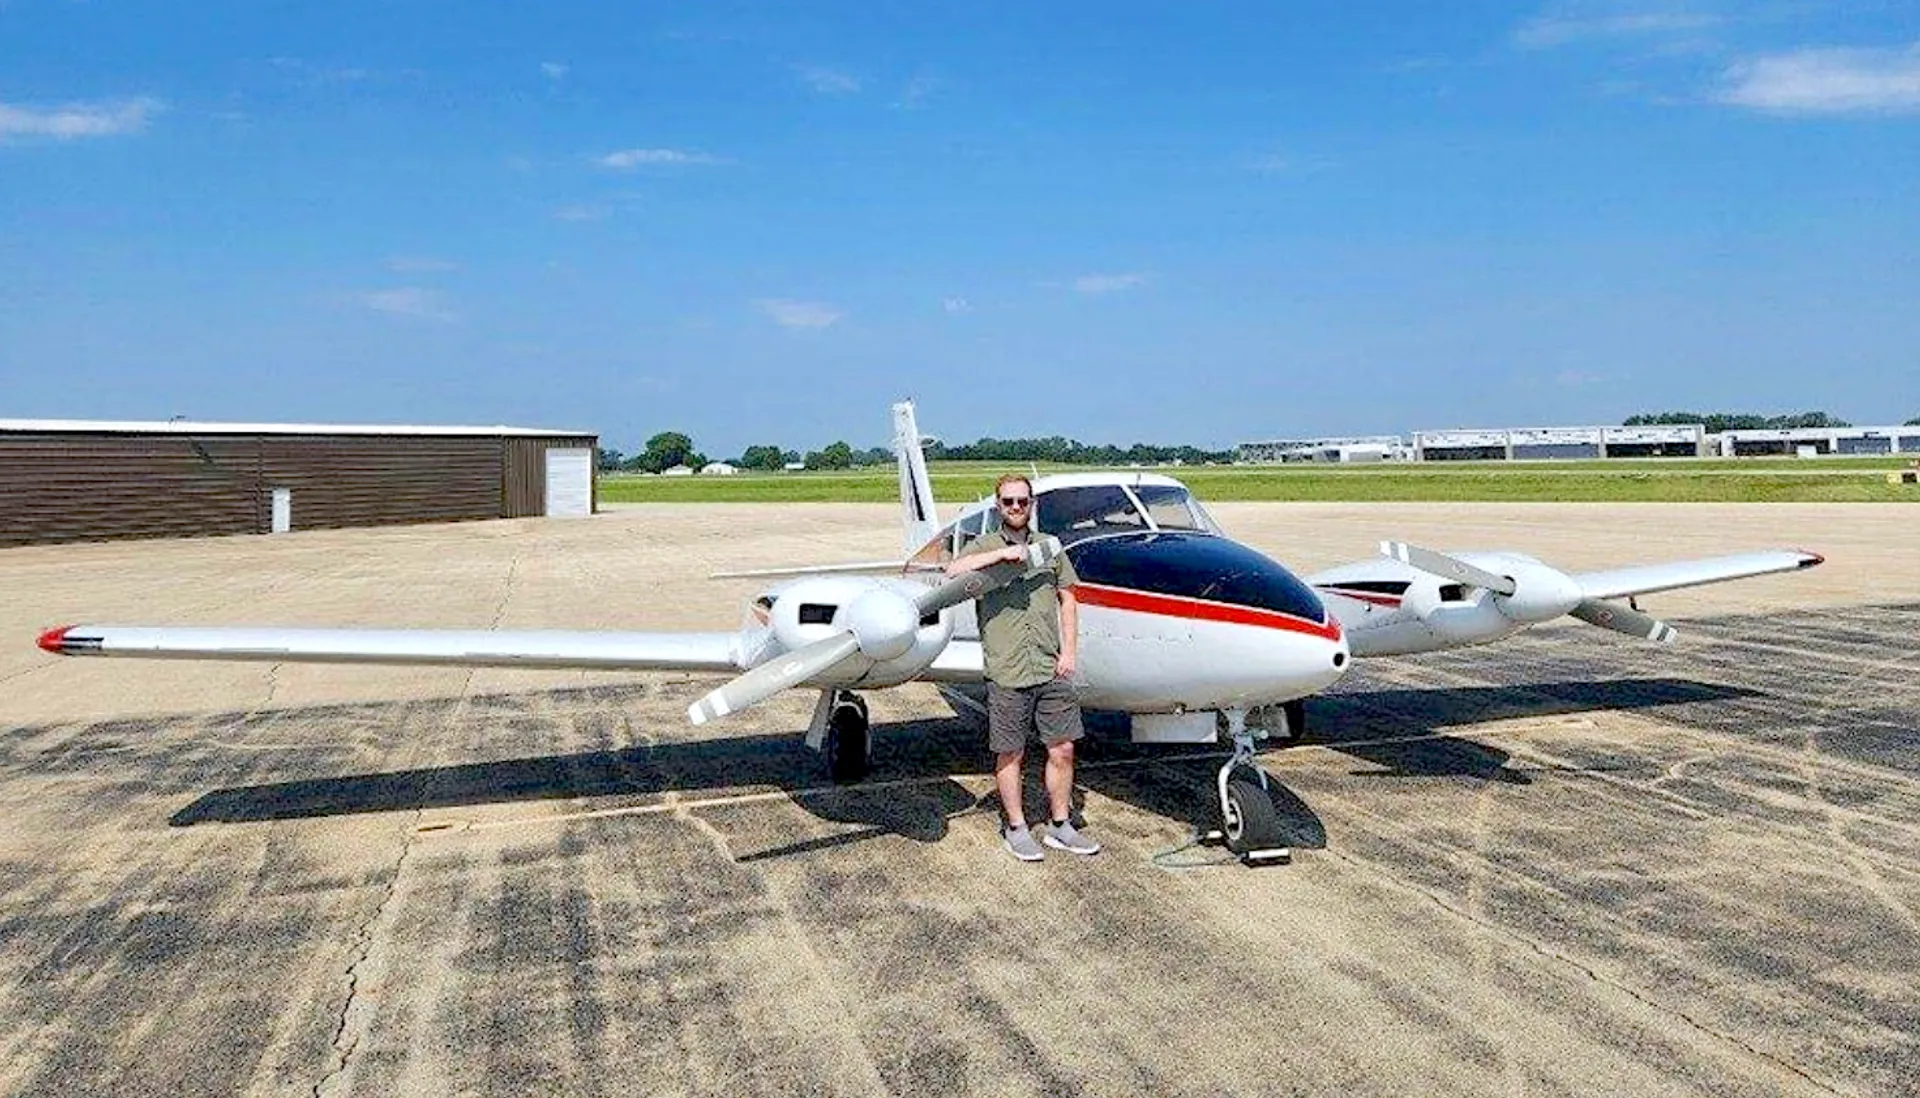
{"x":1566,"y":864}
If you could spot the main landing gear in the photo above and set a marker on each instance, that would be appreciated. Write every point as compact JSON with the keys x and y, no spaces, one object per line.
{"x":1250,"y":824}
{"x":842,"y":734}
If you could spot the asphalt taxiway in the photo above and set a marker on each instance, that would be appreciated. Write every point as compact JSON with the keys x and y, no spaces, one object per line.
{"x":1564,"y":864}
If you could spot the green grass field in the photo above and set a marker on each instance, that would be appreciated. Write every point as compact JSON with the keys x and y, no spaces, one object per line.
{"x":1747,"y":480}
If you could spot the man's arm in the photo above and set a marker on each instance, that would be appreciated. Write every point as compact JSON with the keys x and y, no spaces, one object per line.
{"x":1069,"y":635}
{"x":973,"y":562}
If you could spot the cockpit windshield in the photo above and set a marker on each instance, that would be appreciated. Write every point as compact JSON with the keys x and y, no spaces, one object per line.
{"x":1074,"y":513}
{"x":1084,"y":511}
{"x":1173,"y":508}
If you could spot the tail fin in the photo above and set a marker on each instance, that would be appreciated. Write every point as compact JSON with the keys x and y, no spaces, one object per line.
{"x":920,"y":521}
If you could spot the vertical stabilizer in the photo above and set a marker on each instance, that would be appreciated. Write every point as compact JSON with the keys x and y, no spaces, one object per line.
{"x":919,"y":520}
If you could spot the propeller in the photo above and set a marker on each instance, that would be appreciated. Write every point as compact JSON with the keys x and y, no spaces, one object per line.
{"x":1622,"y":619}
{"x":1535,"y":593}
{"x":880,"y":625}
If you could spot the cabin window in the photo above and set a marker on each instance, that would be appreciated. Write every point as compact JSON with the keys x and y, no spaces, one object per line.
{"x":1171,"y":507}
{"x":969,"y":529}
{"x":1074,"y":513}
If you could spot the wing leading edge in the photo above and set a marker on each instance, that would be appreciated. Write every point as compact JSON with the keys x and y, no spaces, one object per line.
{"x":1648,"y":578}
{"x":542,"y":648}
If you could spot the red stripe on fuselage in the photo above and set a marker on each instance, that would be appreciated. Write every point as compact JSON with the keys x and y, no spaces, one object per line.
{"x":1180,"y":606}
{"x":1364,"y":596}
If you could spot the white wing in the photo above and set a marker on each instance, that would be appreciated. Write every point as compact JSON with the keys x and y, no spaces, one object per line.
{"x":545,"y":648}
{"x":959,"y":661}
{"x":1647,"y":578}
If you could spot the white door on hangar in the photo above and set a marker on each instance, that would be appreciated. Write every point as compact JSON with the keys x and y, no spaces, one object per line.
{"x":569,"y":483}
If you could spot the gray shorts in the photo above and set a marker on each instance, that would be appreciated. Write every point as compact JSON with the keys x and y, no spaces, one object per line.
{"x":1015,"y":714}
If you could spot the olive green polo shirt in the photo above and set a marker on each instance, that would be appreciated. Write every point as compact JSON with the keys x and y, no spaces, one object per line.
{"x":1020,"y":622}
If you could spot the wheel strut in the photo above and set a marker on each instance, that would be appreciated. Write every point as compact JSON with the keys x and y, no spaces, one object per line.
{"x":1250,"y":825}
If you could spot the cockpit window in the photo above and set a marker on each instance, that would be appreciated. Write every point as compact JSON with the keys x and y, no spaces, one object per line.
{"x":1173,"y":508}
{"x":1074,"y":513}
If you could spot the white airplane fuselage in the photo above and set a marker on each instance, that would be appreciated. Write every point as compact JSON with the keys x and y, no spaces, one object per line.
{"x":1169,"y":622}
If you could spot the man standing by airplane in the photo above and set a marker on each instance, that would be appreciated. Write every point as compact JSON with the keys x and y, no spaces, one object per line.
{"x":1027,"y":638}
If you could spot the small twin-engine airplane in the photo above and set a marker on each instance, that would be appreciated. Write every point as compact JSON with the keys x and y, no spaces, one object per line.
{"x":1181,"y":627}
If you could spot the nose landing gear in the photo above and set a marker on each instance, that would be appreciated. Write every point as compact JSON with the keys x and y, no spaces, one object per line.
{"x":841,"y":732}
{"x":1250,"y":825}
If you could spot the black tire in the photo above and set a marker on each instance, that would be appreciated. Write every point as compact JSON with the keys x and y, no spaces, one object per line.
{"x":849,"y":742}
{"x":1251,"y":822}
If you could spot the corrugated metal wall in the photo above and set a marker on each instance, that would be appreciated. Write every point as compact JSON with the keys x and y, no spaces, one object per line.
{"x":87,"y":487}
{"x":383,"y":479}
{"x":59,"y":487}
{"x":523,"y":478}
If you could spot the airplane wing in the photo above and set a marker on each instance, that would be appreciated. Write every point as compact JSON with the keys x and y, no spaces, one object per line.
{"x":545,"y":648}
{"x":862,"y":567}
{"x":1648,"y":578}
{"x":959,"y":661}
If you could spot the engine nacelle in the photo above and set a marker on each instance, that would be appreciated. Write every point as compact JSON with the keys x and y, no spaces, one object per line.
{"x":1456,"y":615}
{"x":1540,"y":593}
{"x":896,"y":643}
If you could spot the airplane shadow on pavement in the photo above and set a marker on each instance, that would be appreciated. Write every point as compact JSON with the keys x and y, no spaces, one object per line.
{"x":911,"y":791}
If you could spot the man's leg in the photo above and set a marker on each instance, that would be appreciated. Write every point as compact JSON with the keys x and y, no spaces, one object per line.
{"x":1009,"y":723}
{"x":1057,"y":713}
{"x":1006,"y":778}
{"x":1060,"y":779}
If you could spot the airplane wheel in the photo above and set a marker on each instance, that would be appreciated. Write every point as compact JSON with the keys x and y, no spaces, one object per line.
{"x":1251,"y":822}
{"x":849,"y":743}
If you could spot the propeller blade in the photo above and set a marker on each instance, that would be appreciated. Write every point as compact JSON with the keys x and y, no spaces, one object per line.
{"x":773,"y":676}
{"x":1620,"y":619}
{"x":1447,"y":567}
{"x":967,"y":586}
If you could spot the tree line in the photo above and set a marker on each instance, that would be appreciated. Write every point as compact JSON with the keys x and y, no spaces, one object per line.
{"x":672,"y":448}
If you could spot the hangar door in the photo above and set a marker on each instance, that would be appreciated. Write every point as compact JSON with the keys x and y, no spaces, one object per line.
{"x":569,"y":482}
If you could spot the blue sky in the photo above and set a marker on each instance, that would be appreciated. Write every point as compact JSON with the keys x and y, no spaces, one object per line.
{"x":762,"y":223}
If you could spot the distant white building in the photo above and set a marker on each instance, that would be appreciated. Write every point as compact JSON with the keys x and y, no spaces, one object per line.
{"x":1818,"y":441}
{"x":717,"y":469}
{"x":1342,"y":448}
{"x":1561,"y":443}
{"x":677,"y":471}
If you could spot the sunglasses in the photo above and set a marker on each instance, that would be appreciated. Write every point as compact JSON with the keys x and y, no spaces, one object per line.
{"x":1015,"y":501}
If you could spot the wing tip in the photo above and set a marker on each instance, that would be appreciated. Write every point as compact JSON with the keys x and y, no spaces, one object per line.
{"x":55,"y":640}
{"x":1811,"y":558}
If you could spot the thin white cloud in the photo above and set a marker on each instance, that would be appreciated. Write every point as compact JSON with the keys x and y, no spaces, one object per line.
{"x":307,"y":72}
{"x":627,"y":159}
{"x":827,"y":81}
{"x":74,"y":121}
{"x":408,"y":301}
{"x":1565,"y":27}
{"x":1095,"y":284}
{"x":582,"y":211}
{"x":789,"y":313}
{"x":554,"y":70}
{"x":1826,"y":81}
{"x":419,"y":264}
{"x":955,"y":306}
{"x":916,"y":91}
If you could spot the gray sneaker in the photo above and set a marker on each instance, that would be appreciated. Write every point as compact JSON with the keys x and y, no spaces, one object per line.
{"x":1065,"y":837}
{"x":1022,"y":845}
